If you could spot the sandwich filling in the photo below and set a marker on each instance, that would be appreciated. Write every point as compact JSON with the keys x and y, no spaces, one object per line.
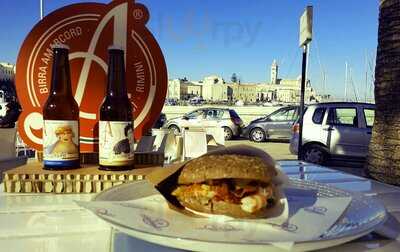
{"x":251,"y":195}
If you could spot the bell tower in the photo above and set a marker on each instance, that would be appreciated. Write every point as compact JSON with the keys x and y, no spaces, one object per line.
{"x":274,"y":72}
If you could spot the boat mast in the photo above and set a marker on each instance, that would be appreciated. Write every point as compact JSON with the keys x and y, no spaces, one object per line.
{"x":366,"y":76}
{"x":345,"y":82}
{"x":324,"y":82}
{"x":352,"y":84}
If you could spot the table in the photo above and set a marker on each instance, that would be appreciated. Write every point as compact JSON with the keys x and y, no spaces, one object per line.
{"x":56,"y":223}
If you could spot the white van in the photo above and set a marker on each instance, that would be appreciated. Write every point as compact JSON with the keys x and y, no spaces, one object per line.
{"x":334,"y":130}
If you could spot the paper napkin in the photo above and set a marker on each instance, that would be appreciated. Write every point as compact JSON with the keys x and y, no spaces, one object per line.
{"x":310,"y":216}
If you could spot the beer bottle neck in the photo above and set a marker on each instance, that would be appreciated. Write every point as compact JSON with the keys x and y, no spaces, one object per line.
{"x":61,"y":79}
{"x":116,"y":75}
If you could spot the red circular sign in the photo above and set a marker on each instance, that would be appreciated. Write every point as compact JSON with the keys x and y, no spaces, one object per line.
{"x":88,"y":29}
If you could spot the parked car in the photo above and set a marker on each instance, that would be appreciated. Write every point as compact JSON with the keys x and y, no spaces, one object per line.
{"x":277,"y":125}
{"x":196,"y":101}
{"x":334,"y":130}
{"x":228,"y":119}
{"x":171,"y":102}
{"x":160,"y":121}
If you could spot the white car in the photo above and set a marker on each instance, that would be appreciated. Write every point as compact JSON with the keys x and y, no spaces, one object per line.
{"x":334,"y":130}
{"x":228,"y":119}
{"x":3,"y":104}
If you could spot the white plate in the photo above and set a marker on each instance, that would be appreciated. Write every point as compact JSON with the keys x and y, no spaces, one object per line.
{"x":362,"y":216}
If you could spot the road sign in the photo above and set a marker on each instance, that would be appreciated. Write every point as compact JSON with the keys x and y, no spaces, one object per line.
{"x":306,"y":26}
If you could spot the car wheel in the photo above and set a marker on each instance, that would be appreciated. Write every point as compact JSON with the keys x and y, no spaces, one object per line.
{"x":174,"y":129}
{"x":257,"y":135}
{"x":228,"y":133}
{"x":315,"y":154}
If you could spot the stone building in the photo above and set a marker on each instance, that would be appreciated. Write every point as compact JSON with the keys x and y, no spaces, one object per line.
{"x":244,"y":92}
{"x":7,"y":71}
{"x":181,"y":89}
{"x":213,"y":88}
{"x":174,"y":89}
{"x":274,"y":73}
{"x":190,"y":90}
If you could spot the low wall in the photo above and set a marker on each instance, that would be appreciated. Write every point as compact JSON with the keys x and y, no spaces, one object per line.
{"x":247,"y":113}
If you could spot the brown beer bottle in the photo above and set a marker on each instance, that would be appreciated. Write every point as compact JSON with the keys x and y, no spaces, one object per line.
{"x":61,"y":117}
{"x":116,"y":119}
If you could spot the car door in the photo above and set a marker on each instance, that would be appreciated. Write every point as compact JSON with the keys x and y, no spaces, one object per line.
{"x":194,"y":119}
{"x":279,"y":124}
{"x":367,"y":122}
{"x":212,"y":117}
{"x":344,"y":134}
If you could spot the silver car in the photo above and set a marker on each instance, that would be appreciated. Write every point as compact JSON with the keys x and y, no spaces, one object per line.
{"x":335,"y":130}
{"x":277,"y":125}
{"x":228,"y":119}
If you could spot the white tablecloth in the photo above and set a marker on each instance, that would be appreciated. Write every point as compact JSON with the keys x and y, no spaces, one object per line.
{"x":46,"y":222}
{"x":50,"y":223}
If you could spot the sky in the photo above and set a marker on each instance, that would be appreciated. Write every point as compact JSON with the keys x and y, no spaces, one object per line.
{"x":205,"y":37}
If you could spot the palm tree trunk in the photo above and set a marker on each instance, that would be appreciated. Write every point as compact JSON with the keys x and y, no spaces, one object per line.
{"x":384,"y":150}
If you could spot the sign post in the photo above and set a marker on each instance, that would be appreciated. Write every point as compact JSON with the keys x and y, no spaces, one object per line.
{"x":41,"y":9}
{"x":306,"y":22}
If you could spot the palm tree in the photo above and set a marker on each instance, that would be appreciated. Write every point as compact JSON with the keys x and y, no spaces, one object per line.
{"x":234,"y":78}
{"x":384,"y":150}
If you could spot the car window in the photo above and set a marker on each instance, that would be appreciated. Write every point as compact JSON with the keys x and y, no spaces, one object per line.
{"x":291,"y":114}
{"x":195,"y":114}
{"x":214,"y":114}
{"x":369,"y":115}
{"x":343,"y":117}
{"x":296,"y":113}
{"x":283,"y":115}
{"x":318,"y":115}
{"x":233,"y":114}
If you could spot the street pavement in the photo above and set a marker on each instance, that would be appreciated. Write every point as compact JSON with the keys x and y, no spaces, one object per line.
{"x":278,"y":150}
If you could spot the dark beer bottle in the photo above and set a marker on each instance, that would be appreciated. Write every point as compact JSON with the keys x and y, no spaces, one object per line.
{"x":61,"y":117}
{"x":116,"y":118}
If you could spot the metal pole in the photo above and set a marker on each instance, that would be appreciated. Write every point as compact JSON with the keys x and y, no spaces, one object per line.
{"x":301,"y":112}
{"x":308,"y":49}
{"x":41,"y":9}
{"x":366,"y":76}
{"x":324,"y":83}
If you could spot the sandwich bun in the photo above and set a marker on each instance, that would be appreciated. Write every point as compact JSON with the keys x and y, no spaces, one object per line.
{"x":227,"y":167}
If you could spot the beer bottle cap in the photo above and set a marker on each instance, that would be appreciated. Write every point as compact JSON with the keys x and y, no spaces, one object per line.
{"x":59,"y":46}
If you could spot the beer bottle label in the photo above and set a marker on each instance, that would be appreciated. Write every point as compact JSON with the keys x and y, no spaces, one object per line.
{"x":60,"y":142}
{"x":116,"y":143}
